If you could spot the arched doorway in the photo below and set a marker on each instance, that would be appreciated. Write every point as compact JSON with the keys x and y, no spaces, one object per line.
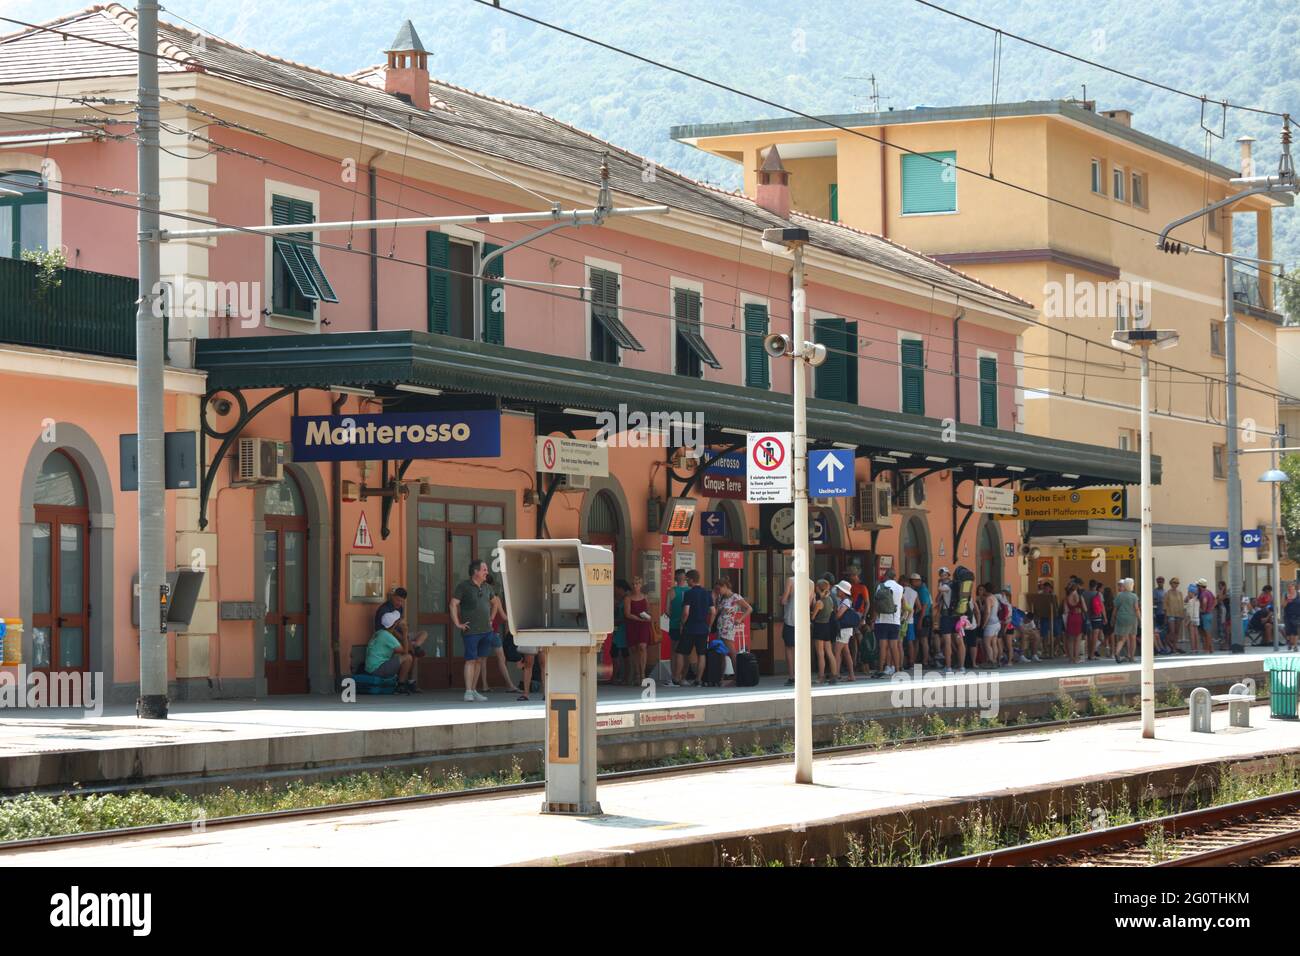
{"x":605,"y":528}
{"x":915,"y":545}
{"x":988,"y":552}
{"x":284,"y":588}
{"x":60,"y":569}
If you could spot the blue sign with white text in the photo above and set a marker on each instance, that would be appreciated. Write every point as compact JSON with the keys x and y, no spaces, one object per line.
{"x":1218,"y":541}
{"x":1252,"y":538}
{"x":713,"y":524}
{"x":830,"y":473}
{"x":393,"y":435}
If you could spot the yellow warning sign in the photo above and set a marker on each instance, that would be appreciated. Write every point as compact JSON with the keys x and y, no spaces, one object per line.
{"x":1064,"y":505}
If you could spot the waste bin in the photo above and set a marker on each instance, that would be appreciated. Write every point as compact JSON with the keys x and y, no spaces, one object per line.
{"x":1283,"y":675}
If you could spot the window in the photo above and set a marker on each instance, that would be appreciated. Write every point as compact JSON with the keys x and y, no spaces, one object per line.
{"x":608,"y":333}
{"x":1216,"y":339}
{"x":1117,"y":183}
{"x":1213,"y":217}
{"x":1220,"y":459}
{"x":1139,"y":189}
{"x":692,"y":353}
{"x":835,"y":202}
{"x":1098,"y":177}
{"x":988,"y":391}
{"x":912,"y":361}
{"x":837,"y":378}
{"x":453,"y":308}
{"x":929,"y":182}
{"x":1121,"y":315}
{"x":1126,"y":439}
{"x":23,"y":218}
{"x":1139,"y":313}
{"x":297,"y":280}
{"x":757,"y":364}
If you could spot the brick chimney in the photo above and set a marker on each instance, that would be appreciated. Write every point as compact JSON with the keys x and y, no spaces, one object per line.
{"x":774,"y":185}
{"x":407,"y":75}
{"x":1124,"y":117}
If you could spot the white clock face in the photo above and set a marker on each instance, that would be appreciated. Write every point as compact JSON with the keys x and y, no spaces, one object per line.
{"x":781,"y":526}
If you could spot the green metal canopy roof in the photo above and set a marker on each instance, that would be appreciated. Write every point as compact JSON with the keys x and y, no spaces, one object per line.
{"x":533,"y":379}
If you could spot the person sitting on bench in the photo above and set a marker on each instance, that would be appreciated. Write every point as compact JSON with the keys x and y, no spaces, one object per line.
{"x":388,"y":655}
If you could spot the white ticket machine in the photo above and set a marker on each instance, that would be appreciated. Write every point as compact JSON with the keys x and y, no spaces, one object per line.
{"x":559,"y":594}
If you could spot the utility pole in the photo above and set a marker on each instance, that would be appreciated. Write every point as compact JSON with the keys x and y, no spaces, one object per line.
{"x":1235,"y":557}
{"x":149,"y":347}
{"x":805,"y":354}
{"x":1143,"y":339}
{"x":1284,"y":182}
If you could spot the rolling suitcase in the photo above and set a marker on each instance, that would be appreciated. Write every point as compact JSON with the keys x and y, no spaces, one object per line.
{"x":746,"y":670}
{"x":713,"y":663}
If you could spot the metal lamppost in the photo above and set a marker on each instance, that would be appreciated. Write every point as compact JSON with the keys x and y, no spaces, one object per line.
{"x":1274,"y":477}
{"x":1143,"y":340}
{"x":788,"y":241}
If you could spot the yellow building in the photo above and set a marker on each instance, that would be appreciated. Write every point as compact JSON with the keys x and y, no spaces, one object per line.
{"x":966,"y":186}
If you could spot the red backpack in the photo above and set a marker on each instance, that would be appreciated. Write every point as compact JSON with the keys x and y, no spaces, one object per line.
{"x":1098,"y":609}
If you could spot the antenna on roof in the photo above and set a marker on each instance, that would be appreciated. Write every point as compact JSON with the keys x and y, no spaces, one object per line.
{"x":874,"y":97}
{"x":603,"y":199}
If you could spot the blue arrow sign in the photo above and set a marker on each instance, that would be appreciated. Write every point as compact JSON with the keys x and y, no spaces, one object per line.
{"x":1219,"y":540}
{"x":1252,"y":538}
{"x":713,"y":524}
{"x":830,"y":473}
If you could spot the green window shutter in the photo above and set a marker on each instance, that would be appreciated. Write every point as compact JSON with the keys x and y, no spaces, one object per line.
{"x":835,"y":202}
{"x":494,"y":298}
{"x":831,"y":378}
{"x":851,"y":363}
{"x":989,"y":392}
{"x":437,"y":254}
{"x":929,"y":182}
{"x":912,"y":355}
{"x":756,"y":363}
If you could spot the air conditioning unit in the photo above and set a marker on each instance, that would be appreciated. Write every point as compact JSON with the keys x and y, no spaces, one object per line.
{"x":260,"y":461}
{"x":914,"y":497}
{"x":875,"y":504}
{"x":574,"y":482}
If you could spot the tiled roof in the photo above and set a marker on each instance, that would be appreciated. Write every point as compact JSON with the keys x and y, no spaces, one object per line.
{"x":457,"y":117}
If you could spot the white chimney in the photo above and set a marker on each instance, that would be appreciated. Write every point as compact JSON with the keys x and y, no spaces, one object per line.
{"x":1247,"y":159}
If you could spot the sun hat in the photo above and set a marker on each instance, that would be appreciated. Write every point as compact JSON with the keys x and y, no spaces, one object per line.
{"x":391,"y":618}
{"x":845,"y":587}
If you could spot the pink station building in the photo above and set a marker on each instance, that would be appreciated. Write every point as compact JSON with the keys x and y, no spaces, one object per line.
{"x":654,"y":315}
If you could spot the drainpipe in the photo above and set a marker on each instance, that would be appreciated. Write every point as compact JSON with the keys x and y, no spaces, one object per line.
{"x":374,"y":249}
{"x":956,"y":396}
{"x":884,"y":185}
{"x":336,"y":553}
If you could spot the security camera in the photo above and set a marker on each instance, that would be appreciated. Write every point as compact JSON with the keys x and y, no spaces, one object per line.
{"x":777,"y":345}
{"x":814,"y":353}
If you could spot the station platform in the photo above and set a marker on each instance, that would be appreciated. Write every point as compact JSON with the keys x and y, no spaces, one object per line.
{"x":694,"y":818}
{"x":208,"y":744}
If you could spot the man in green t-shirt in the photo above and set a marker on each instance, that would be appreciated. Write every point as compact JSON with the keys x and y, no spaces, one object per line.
{"x":385,"y":656}
{"x":473,"y":605}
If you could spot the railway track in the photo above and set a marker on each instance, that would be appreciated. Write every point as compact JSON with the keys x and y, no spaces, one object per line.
{"x":274,"y":816}
{"x":1260,"y":832}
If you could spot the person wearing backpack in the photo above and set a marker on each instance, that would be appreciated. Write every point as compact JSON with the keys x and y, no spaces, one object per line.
{"x":887,"y":603}
{"x":848,"y":620}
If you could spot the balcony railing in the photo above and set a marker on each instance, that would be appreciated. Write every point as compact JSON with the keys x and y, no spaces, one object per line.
{"x":1245,"y":288}
{"x":85,"y":312}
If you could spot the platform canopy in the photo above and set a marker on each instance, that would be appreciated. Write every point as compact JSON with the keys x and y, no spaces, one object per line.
{"x":549,"y":384}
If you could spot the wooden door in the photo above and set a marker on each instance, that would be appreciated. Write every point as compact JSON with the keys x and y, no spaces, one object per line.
{"x":285,"y":626}
{"x":61,"y":587}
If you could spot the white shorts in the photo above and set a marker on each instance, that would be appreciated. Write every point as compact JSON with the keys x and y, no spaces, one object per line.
{"x":527,"y":651}
{"x":992,"y":630}
{"x":846,"y":635}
